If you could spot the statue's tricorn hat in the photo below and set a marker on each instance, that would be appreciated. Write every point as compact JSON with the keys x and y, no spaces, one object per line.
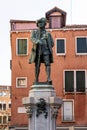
{"x":41,"y":20}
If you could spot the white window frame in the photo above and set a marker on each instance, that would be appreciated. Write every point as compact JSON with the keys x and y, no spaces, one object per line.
{"x":24,"y":86}
{"x":61,"y":54}
{"x":21,"y":110}
{"x":68,"y":100}
{"x":76,"y":45}
{"x":75,"y":80}
{"x":17,"y":47}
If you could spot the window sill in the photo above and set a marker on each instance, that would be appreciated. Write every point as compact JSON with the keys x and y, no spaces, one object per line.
{"x":73,"y":121}
{"x":21,"y":86}
{"x":21,"y":54}
{"x":81,"y":54}
{"x":74,"y":93}
{"x":60,"y":54}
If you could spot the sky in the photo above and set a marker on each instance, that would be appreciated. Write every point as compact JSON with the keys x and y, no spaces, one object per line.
{"x":32,"y":10}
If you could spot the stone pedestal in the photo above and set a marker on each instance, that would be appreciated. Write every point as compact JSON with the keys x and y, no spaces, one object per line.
{"x":42,"y":107}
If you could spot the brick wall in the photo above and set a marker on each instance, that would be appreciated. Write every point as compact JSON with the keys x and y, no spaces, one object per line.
{"x":71,"y":61}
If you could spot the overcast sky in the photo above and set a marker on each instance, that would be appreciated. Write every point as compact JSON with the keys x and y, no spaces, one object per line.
{"x":31,"y":10}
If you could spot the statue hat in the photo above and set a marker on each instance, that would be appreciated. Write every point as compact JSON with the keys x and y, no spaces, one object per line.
{"x":41,"y":20}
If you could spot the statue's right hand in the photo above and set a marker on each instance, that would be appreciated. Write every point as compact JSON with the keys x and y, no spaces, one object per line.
{"x":40,"y":42}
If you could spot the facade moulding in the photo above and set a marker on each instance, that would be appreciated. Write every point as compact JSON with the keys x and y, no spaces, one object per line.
{"x":64,"y":29}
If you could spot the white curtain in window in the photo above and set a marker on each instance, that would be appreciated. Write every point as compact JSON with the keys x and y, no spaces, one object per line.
{"x":68,"y":111}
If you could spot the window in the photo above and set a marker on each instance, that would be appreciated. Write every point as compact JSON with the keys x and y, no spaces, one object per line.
{"x":0,"y":106}
{"x":1,"y":93}
{"x":9,"y":105}
{"x":4,"y":106}
{"x":74,"y":81}
{"x":68,"y":110}
{"x":21,"y":110}
{"x":60,"y":46}
{"x":5,"y":88}
{"x":4,"y":93}
{"x":0,"y":119}
{"x":22,"y":46}
{"x":81,"y":45}
{"x":4,"y":119}
{"x":55,"y":22}
{"x":80,"y":81}
{"x":9,"y":118}
{"x":21,"y":82}
{"x":69,"y":81}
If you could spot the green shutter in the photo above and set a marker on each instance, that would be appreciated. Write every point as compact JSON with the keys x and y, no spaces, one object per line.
{"x":69,"y":81}
{"x":22,"y":46}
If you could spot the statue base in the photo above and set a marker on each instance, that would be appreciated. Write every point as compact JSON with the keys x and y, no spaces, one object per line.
{"x":42,"y":106}
{"x":43,"y":83}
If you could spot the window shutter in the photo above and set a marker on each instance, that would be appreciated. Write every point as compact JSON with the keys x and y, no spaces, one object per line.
{"x":80,"y":81}
{"x":69,"y":81}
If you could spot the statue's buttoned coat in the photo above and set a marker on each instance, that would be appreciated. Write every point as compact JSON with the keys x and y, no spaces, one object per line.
{"x":35,"y":36}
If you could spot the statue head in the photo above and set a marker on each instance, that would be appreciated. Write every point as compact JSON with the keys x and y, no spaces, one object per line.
{"x":42,"y":20}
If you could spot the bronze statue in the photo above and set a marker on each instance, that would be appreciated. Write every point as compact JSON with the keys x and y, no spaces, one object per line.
{"x":42,"y":49}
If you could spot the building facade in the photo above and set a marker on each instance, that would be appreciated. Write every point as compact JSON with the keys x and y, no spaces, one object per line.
{"x":68,"y":72}
{"x":5,"y":107}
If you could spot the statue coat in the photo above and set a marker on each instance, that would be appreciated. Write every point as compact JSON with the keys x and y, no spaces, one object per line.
{"x":35,"y":36}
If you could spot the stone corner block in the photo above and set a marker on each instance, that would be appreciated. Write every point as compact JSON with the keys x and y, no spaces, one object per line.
{"x":28,"y":100}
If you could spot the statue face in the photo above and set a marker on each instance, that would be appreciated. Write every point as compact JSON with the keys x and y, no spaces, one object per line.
{"x":41,"y":24}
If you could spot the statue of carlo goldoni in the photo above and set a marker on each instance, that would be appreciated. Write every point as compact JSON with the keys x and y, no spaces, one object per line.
{"x":42,"y":49}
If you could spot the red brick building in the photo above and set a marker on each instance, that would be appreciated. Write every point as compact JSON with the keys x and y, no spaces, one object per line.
{"x":69,"y":70}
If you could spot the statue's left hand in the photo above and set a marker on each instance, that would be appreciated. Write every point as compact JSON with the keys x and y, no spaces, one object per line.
{"x":40,"y":42}
{"x":44,"y":37}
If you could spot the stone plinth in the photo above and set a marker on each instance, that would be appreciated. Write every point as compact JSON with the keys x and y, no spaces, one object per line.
{"x":42,"y":107}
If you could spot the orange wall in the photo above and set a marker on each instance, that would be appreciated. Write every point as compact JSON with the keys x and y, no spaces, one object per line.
{"x":21,"y":68}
